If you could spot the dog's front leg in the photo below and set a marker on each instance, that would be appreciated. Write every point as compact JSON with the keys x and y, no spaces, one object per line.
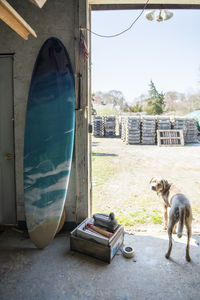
{"x":165,"y":216}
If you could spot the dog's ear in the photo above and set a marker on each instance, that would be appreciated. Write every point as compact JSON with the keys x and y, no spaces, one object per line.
{"x":165,"y":184}
{"x":151,"y":179}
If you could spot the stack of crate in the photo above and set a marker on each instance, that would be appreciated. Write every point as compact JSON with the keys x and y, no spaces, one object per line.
{"x":133,"y":130}
{"x":163,"y":123}
{"x":109,"y":126}
{"x":148,"y":130}
{"x":192,"y":131}
{"x":181,"y":124}
{"x":98,"y":126}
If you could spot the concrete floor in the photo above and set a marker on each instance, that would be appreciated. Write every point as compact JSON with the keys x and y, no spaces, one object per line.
{"x":58,"y":273}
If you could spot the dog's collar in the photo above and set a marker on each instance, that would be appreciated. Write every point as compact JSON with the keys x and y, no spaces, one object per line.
{"x":165,"y":191}
{"x":168,"y":188}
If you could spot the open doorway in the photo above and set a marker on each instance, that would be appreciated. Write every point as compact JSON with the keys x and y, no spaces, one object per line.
{"x":161,"y":56}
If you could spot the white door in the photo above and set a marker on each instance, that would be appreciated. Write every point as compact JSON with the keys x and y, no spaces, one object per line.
{"x":7,"y":163}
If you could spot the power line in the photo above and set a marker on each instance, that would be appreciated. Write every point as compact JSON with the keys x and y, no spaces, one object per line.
{"x":122,"y":32}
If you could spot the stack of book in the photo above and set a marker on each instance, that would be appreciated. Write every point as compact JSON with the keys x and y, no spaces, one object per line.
{"x":87,"y":230}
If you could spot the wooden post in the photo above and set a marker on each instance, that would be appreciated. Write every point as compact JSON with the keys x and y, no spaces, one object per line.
{"x":81,"y":133}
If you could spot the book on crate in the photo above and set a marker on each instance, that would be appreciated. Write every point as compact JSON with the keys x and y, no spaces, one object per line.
{"x":84,"y":232}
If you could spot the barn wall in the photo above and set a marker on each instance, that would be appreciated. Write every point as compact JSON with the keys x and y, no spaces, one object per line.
{"x":61,"y":19}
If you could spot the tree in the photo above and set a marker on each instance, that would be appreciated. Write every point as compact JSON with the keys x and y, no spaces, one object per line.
{"x":93,"y":111}
{"x":113,"y":97}
{"x":155,"y":103}
{"x":116,"y":98}
{"x":135,"y":108}
{"x":108,"y":111}
{"x":171,"y":99}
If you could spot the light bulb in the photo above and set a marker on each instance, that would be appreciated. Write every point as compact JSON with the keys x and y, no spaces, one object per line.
{"x":159,"y":17}
{"x":168,"y":15}
{"x":150,"y":15}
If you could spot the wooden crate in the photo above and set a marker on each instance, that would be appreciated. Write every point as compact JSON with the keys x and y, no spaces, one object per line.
{"x":170,"y":138}
{"x":92,"y":248}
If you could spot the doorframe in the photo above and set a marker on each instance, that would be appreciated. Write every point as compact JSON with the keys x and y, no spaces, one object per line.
{"x":105,"y":7}
{"x":133,"y":6}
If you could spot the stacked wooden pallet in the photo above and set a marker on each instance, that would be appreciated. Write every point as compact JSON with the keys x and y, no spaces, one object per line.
{"x":133,"y":130}
{"x":109,"y":126}
{"x":192,"y":131}
{"x":170,"y":137}
{"x":98,"y":126}
{"x":142,"y":130}
{"x":163,"y":123}
{"x":148,"y":130}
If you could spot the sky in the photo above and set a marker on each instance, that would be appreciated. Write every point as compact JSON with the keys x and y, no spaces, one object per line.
{"x":167,"y":53}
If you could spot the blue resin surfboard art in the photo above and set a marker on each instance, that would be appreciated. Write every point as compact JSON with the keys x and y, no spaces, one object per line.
{"x":48,"y":141}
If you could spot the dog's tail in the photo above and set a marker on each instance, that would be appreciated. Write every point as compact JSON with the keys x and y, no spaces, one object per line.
{"x":181,"y":221}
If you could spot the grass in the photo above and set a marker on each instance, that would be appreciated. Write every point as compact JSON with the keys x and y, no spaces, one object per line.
{"x":132,"y":211}
{"x":140,"y":207}
{"x":130,"y":216}
{"x":135,"y":210}
{"x":103,"y":169}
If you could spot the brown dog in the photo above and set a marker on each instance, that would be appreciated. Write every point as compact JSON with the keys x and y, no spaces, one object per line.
{"x":180,"y":211}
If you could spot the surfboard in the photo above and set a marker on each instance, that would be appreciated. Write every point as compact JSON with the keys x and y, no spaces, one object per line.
{"x":48,"y":141}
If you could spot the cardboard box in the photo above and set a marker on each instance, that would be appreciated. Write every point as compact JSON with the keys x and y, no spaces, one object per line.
{"x":95,"y":249}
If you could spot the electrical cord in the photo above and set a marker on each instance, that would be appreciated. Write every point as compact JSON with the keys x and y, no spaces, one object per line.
{"x":122,"y":32}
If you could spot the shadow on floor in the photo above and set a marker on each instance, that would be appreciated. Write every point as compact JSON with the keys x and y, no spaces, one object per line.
{"x":58,"y":273}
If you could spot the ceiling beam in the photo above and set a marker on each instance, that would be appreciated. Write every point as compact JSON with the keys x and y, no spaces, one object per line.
{"x":179,"y":2}
{"x":39,"y":3}
{"x":14,"y":20}
{"x":139,"y":4}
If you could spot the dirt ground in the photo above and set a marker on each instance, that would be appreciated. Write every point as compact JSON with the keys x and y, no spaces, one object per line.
{"x":121,"y":175}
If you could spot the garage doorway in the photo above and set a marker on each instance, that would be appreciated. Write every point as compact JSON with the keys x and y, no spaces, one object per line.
{"x":109,"y":156}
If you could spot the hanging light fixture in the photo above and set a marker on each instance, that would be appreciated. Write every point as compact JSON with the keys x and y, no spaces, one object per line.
{"x":167,"y":15}
{"x":150,"y":15}
{"x":159,"y":17}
